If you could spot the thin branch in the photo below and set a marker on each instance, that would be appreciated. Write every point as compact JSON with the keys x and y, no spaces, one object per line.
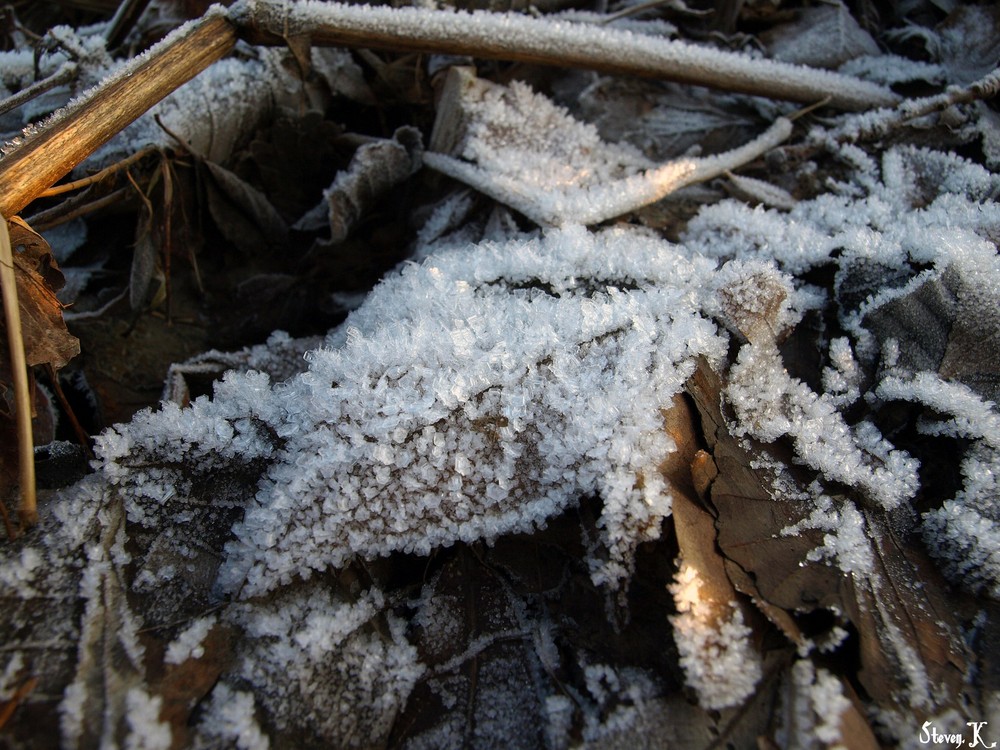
{"x":61,"y":214}
{"x":871,"y":125}
{"x":97,"y":177}
{"x":22,"y":403}
{"x":65,"y":73}
{"x":525,"y":39}
{"x":64,"y":142}
{"x":128,"y":13}
{"x":22,"y":692}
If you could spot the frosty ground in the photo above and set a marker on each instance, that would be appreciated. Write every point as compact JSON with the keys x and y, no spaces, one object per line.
{"x":571,"y":410}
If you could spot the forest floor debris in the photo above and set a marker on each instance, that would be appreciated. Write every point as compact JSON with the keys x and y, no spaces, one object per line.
{"x":554,"y":454}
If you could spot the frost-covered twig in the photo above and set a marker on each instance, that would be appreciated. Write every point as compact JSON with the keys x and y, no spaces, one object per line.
{"x":593,"y":204}
{"x":879,"y":123}
{"x":66,"y":141}
{"x":552,"y":42}
{"x":66,"y":73}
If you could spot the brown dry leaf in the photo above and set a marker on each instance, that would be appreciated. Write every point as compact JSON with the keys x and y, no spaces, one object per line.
{"x":144,"y":260}
{"x":46,"y":339}
{"x":183,"y":685}
{"x":913,"y":658}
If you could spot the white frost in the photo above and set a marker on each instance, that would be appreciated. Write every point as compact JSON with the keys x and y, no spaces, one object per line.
{"x":714,"y":645}
{"x":477,"y":394}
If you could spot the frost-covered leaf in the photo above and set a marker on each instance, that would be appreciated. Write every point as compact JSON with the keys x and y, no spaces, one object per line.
{"x":454,"y":417}
{"x":824,"y":36}
{"x":969,"y":42}
{"x":324,"y":669}
{"x":280,"y":357}
{"x":840,"y":558}
{"x":662,"y":120}
{"x":375,"y":169}
{"x":945,"y":323}
{"x":42,"y":595}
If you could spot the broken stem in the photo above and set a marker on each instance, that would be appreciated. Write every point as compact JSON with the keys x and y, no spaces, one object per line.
{"x":551,"y":42}
{"x":44,"y":158}
{"x":22,"y":403}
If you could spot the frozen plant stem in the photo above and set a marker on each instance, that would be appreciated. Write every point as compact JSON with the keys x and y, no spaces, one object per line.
{"x":22,"y":405}
{"x":66,"y":73}
{"x":550,"y":42}
{"x":50,"y":154}
{"x":589,"y":206}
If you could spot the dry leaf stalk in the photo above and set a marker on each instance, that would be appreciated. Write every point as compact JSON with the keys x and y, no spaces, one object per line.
{"x":22,"y":406}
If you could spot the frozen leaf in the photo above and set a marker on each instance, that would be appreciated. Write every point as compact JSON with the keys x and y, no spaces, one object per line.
{"x":913,"y":656}
{"x":242,"y":213}
{"x":485,"y":680}
{"x":824,"y":36}
{"x":375,"y":169}
{"x":280,"y":357}
{"x":46,"y":339}
{"x":481,"y":424}
{"x":969,"y":42}
{"x":324,"y":668}
{"x":42,"y":595}
{"x":664,"y":121}
{"x":945,"y":323}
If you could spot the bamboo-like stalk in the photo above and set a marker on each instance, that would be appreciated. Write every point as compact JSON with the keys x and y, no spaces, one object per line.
{"x":57,"y":148}
{"x":27,"y":511}
{"x":522,"y":38}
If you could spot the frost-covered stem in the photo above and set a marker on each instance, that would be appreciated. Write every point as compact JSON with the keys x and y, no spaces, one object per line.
{"x":871,"y":125}
{"x":19,"y":369}
{"x":550,"y":42}
{"x":599,"y":203}
{"x":713,"y":166}
{"x":67,"y":140}
{"x":66,"y":73}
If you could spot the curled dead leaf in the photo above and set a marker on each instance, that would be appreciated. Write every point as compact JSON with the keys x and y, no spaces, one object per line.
{"x":46,"y":339}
